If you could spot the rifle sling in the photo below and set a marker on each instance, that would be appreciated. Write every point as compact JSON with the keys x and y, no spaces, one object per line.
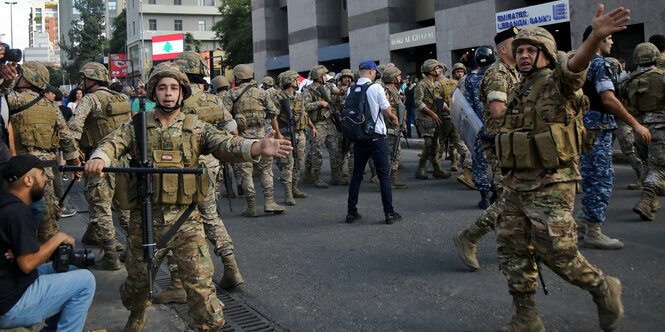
{"x":171,"y":232}
{"x":26,"y":106}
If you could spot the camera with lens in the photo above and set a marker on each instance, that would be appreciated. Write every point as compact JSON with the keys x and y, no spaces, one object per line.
{"x":11,"y":54}
{"x":65,"y":256}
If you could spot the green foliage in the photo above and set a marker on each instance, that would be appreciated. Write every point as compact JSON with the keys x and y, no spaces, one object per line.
{"x":190,"y":41}
{"x":119,"y":36}
{"x":55,"y":74}
{"x":86,"y":37}
{"x":234,"y":30}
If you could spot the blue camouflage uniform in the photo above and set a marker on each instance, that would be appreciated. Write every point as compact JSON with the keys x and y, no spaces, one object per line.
{"x":480,"y":163}
{"x":596,"y":165}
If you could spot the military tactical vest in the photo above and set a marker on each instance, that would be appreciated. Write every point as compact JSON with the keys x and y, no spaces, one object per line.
{"x":35,"y":129}
{"x":248,"y":110}
{"x":320,"y":113}
{"x":166,"y":151}
{"x":646,"y":92}
{"x":115,"y":110}
{"x":431,"y":91}
{"x":448,"y":86}
{"x":297,"y":112}
{"x":527,"y":141}
{"x":208,"y":109}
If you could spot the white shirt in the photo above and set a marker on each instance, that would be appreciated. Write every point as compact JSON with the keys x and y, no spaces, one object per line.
{"x":376,"y":97}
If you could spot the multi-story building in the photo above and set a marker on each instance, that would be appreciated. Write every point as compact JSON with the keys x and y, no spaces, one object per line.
{"x":44,"y":19}
{"x":42,"y":50}
{"x":299,"y":34}
{"x":165,"y":17}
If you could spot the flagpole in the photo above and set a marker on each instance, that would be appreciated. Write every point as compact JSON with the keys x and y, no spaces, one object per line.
{"x":141,"y":53}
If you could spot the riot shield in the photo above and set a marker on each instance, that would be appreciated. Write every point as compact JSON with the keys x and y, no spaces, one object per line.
{"x":464,"y":118}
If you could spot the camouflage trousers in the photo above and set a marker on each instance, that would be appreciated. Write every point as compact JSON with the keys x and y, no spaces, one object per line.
{"x":328,"y":139}
{"x":626,"y":137}
{"x":654,"y":154}
{"x":540,"y":224}
{"x":487,"y":220}
{"x":243,"y":172}
{"x":191,"y":254}
{"x":597,"y":177}
{"x":449,"y":133}
{"x":289,"y":167}
{"x":212,"y":221}
{"x":394,"y":164}
{"x":480,"y":167}
{"x":48,"y":225}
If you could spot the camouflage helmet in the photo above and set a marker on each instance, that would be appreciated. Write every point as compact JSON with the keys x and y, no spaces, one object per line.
{"x":645,"y":53}
{"x":444,"y":68}
{"x":127,"y":90}
{"x":36,"y":74}
{"x":459,"y":65}
{"x":346,"y":72}
{"x":287,"y":77}
{"x":538,"y":37}
{"x":267,"y":80}
{"x":243,"y":72}
{"x":220,"y":82}
{"x":317,"y":72}
{"x":167,"y":69}
{"x":95,"y":71}
{"x":390,"y":74}
{"x":192,"y":63}
{"x":429,"y":65}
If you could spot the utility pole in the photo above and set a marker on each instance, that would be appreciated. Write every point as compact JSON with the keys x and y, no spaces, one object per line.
{"x":11,"y":19}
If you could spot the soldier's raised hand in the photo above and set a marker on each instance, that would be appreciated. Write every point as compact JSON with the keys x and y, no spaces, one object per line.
{"x":270,"y":146}
{"x":605,"y":25}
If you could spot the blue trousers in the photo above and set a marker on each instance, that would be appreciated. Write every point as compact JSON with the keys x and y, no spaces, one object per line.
{"x":62,"y":297}
{"x":37,"y":209}
{"x":597,"y":177}
{"x":411,"y":120}
{"x":377,"y":148}
{"x":480,"y":166}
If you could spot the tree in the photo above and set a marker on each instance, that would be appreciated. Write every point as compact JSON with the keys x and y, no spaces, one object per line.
{"x":119,"y":35}
{"x":234,"y":30}
{"x":86,"y":37}
{"x":190,"y":41}
{"x":56,"y":77}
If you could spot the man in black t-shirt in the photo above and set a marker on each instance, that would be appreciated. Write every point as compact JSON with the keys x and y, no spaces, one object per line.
{"x":31,"y":291}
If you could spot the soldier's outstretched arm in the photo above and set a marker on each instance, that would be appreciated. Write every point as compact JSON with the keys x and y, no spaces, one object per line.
{"x":603,"y":26}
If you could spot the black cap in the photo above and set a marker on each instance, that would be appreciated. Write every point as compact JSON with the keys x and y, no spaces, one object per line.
{"x":505,"y":34}
{"x":22,"y":164}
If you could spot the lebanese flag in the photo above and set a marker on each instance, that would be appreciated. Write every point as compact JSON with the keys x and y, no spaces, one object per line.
{"x":167,"y":47}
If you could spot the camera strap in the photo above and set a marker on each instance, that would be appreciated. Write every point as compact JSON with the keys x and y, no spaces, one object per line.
{"x":171,"y":232}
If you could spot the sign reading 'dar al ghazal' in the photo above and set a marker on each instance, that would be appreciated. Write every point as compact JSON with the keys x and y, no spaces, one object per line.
{"x":538,"y":15}
{"x":412,"y":38}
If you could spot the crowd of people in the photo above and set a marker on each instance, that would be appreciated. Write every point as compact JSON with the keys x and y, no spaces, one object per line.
{"x":548,"y":123}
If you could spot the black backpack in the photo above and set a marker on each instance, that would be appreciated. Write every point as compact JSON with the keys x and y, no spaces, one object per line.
{"x":357,"y":122}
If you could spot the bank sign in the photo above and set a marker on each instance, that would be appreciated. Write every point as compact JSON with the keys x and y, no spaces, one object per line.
{"x":412,"y":38}
{"x":543,"y":14}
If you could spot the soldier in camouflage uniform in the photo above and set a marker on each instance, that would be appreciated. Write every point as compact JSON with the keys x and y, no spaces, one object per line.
{"x":644,"y":94}
{"x":168,"y":130}
{"x":538,"y":151}
{"x":207,"y":108}
{"x":459,"y":71}
{"x":659,"y":42}
{"x":39,"y":129}
{"x":250,"y":107}
{"x":321,"y":115}
{"x":99,"y":112}
{"x":221,"y":86}
{"x":289,"y":167}
{"x":391,"y":76}
{"x":495,"y":90}
{"x":344,"y":82}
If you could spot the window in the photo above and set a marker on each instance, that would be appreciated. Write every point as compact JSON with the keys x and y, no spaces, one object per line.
{"x":151,"y":2}
{"x":202,"y":25}
{"x":177,"y":25}
{"x":177,"y":3}
{"x":113,"y":6}
{"x":152,"y":25}
{"x":202,"y":2}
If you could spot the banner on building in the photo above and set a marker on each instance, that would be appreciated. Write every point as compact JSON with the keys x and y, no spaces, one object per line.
{"x":119,"y":65}
{"x":167,"y":47}
{"x":538,"y":15}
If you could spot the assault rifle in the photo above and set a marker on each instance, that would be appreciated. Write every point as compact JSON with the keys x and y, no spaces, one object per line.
{"x":285,"y":104}
{"x":144,"y":173}
{"x":398,"y":132}
{"x":437,"y":131}
{"x":228,"y":183}
{"x":336,"y":116}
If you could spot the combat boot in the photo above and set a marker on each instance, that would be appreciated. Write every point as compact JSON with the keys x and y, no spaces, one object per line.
{"x":439,"y":173}
{"x":580,"y":226}
{"x":644,"y":206}
{"x":232,"y":277}
{"x":110,"y":260}
{"x":137,"y":321}
{"x":655,"y":205}
{"x":345,"y":173}
{"x":288,"y":195}
{"x":172,"y":294}
{"x":467,"y":179}
{"x":420,"y":171}
{"x":594,"y":238}
{"x":484,"y":199}
{"x":308,"y":177}
{"x":526,"y":318}
{"x":400,"y":166}
{"x":395,"y":182}
{"x":337,"y":179}
{"x":453,"y":162}
{"x":637,"y":185}
{"x":270,"y":206}
{"x":296,"y":192}
{"x":607,"y":297}
{"x":90,"y":238}
{"x":318,"y":180}
{"x":251,"y":208}
{"x":467,"y":245}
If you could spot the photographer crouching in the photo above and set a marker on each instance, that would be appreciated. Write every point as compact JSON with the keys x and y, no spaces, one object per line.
{"x":31,"y":291}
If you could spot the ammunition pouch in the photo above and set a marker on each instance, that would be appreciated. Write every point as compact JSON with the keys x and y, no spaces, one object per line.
{"x":36,"y":129}
{"x":115,"y":110}
{"x":208,"y":109}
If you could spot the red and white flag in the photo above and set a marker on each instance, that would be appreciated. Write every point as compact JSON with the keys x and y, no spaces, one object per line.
{"x":167,"y":47}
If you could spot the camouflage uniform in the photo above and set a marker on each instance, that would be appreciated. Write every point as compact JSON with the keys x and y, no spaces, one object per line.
{"x":32,"y":129}
{"x":395,"y":101}
{"x":188,"y":244}
{"x":425,"y":95}
{"x":289,"y":167}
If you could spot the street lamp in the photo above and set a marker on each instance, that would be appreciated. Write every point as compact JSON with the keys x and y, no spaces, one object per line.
{"x":11,"y":18}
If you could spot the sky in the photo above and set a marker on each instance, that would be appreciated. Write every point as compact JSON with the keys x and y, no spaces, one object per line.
{"x":21,"y":14}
